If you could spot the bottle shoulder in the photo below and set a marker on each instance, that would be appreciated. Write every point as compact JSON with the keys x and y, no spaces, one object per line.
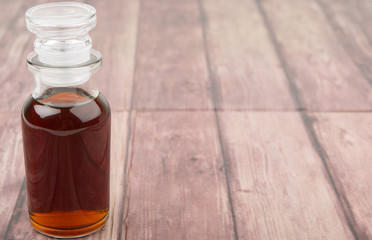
{"x":36,"y":113}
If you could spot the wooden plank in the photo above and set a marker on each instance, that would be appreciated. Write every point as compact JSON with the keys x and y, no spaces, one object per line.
{"x":20,"y":228}
{"x":171,"y":67}
{"x":278,"y":185}
{"x":346,"y":19}
{"x":244,"y":64}
{"x":347,"y":138}
{"x":116,"y":42}
{"x":319,"y":66}
{"x":11,"y":167}
{"x":177,"y":180}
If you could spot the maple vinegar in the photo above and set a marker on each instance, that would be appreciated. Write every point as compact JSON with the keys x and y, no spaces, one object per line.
{"x":65,"y":124}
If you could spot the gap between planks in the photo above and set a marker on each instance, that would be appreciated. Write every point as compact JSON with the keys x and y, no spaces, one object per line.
{"x":130,"y":137}
{"x":226,"y":163}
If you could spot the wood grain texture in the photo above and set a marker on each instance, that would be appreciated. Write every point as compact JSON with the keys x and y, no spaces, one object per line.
{"x":177,"y":180}
{"x":278,"y":185}
{"x":186,"y":58}
{"x":11,"y":167}
{"x":347,"y":139}
{"x":243,"y":61}
{"x":347,"y":20}
{"x":20,"y":227}
{"x":324,"y":74}
{"x":171,"y":66}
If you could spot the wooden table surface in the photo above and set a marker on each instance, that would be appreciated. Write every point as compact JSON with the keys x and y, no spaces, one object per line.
{"x":232,"y":119}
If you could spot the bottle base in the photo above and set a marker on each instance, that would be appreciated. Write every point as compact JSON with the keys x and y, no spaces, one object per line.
{"x":70,"y":233}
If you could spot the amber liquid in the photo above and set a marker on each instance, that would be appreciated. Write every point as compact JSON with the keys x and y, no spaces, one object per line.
{"x":66,"y":137}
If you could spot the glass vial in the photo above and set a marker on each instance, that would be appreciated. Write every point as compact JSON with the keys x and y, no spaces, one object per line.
{"x":65,"y":124}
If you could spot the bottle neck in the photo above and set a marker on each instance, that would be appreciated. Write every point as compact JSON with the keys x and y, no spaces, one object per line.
{"x":63,"y":51}
{"x":52,"y":80}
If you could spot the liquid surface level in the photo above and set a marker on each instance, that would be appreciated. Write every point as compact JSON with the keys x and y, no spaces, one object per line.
{"x":66,"y":136}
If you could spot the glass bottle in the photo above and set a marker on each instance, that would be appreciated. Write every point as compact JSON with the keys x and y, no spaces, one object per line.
{"x":65,"y":124}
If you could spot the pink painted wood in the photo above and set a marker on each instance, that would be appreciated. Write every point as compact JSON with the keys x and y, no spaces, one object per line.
{"x":347,"y":139}
{"x":231,"y":119}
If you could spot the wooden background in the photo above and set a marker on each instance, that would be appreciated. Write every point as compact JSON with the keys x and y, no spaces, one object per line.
{"x":232,"y":119}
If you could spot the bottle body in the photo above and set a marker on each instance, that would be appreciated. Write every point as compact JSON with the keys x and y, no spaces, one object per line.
{"x":66,"y":137}
{"x":65,"y":124}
